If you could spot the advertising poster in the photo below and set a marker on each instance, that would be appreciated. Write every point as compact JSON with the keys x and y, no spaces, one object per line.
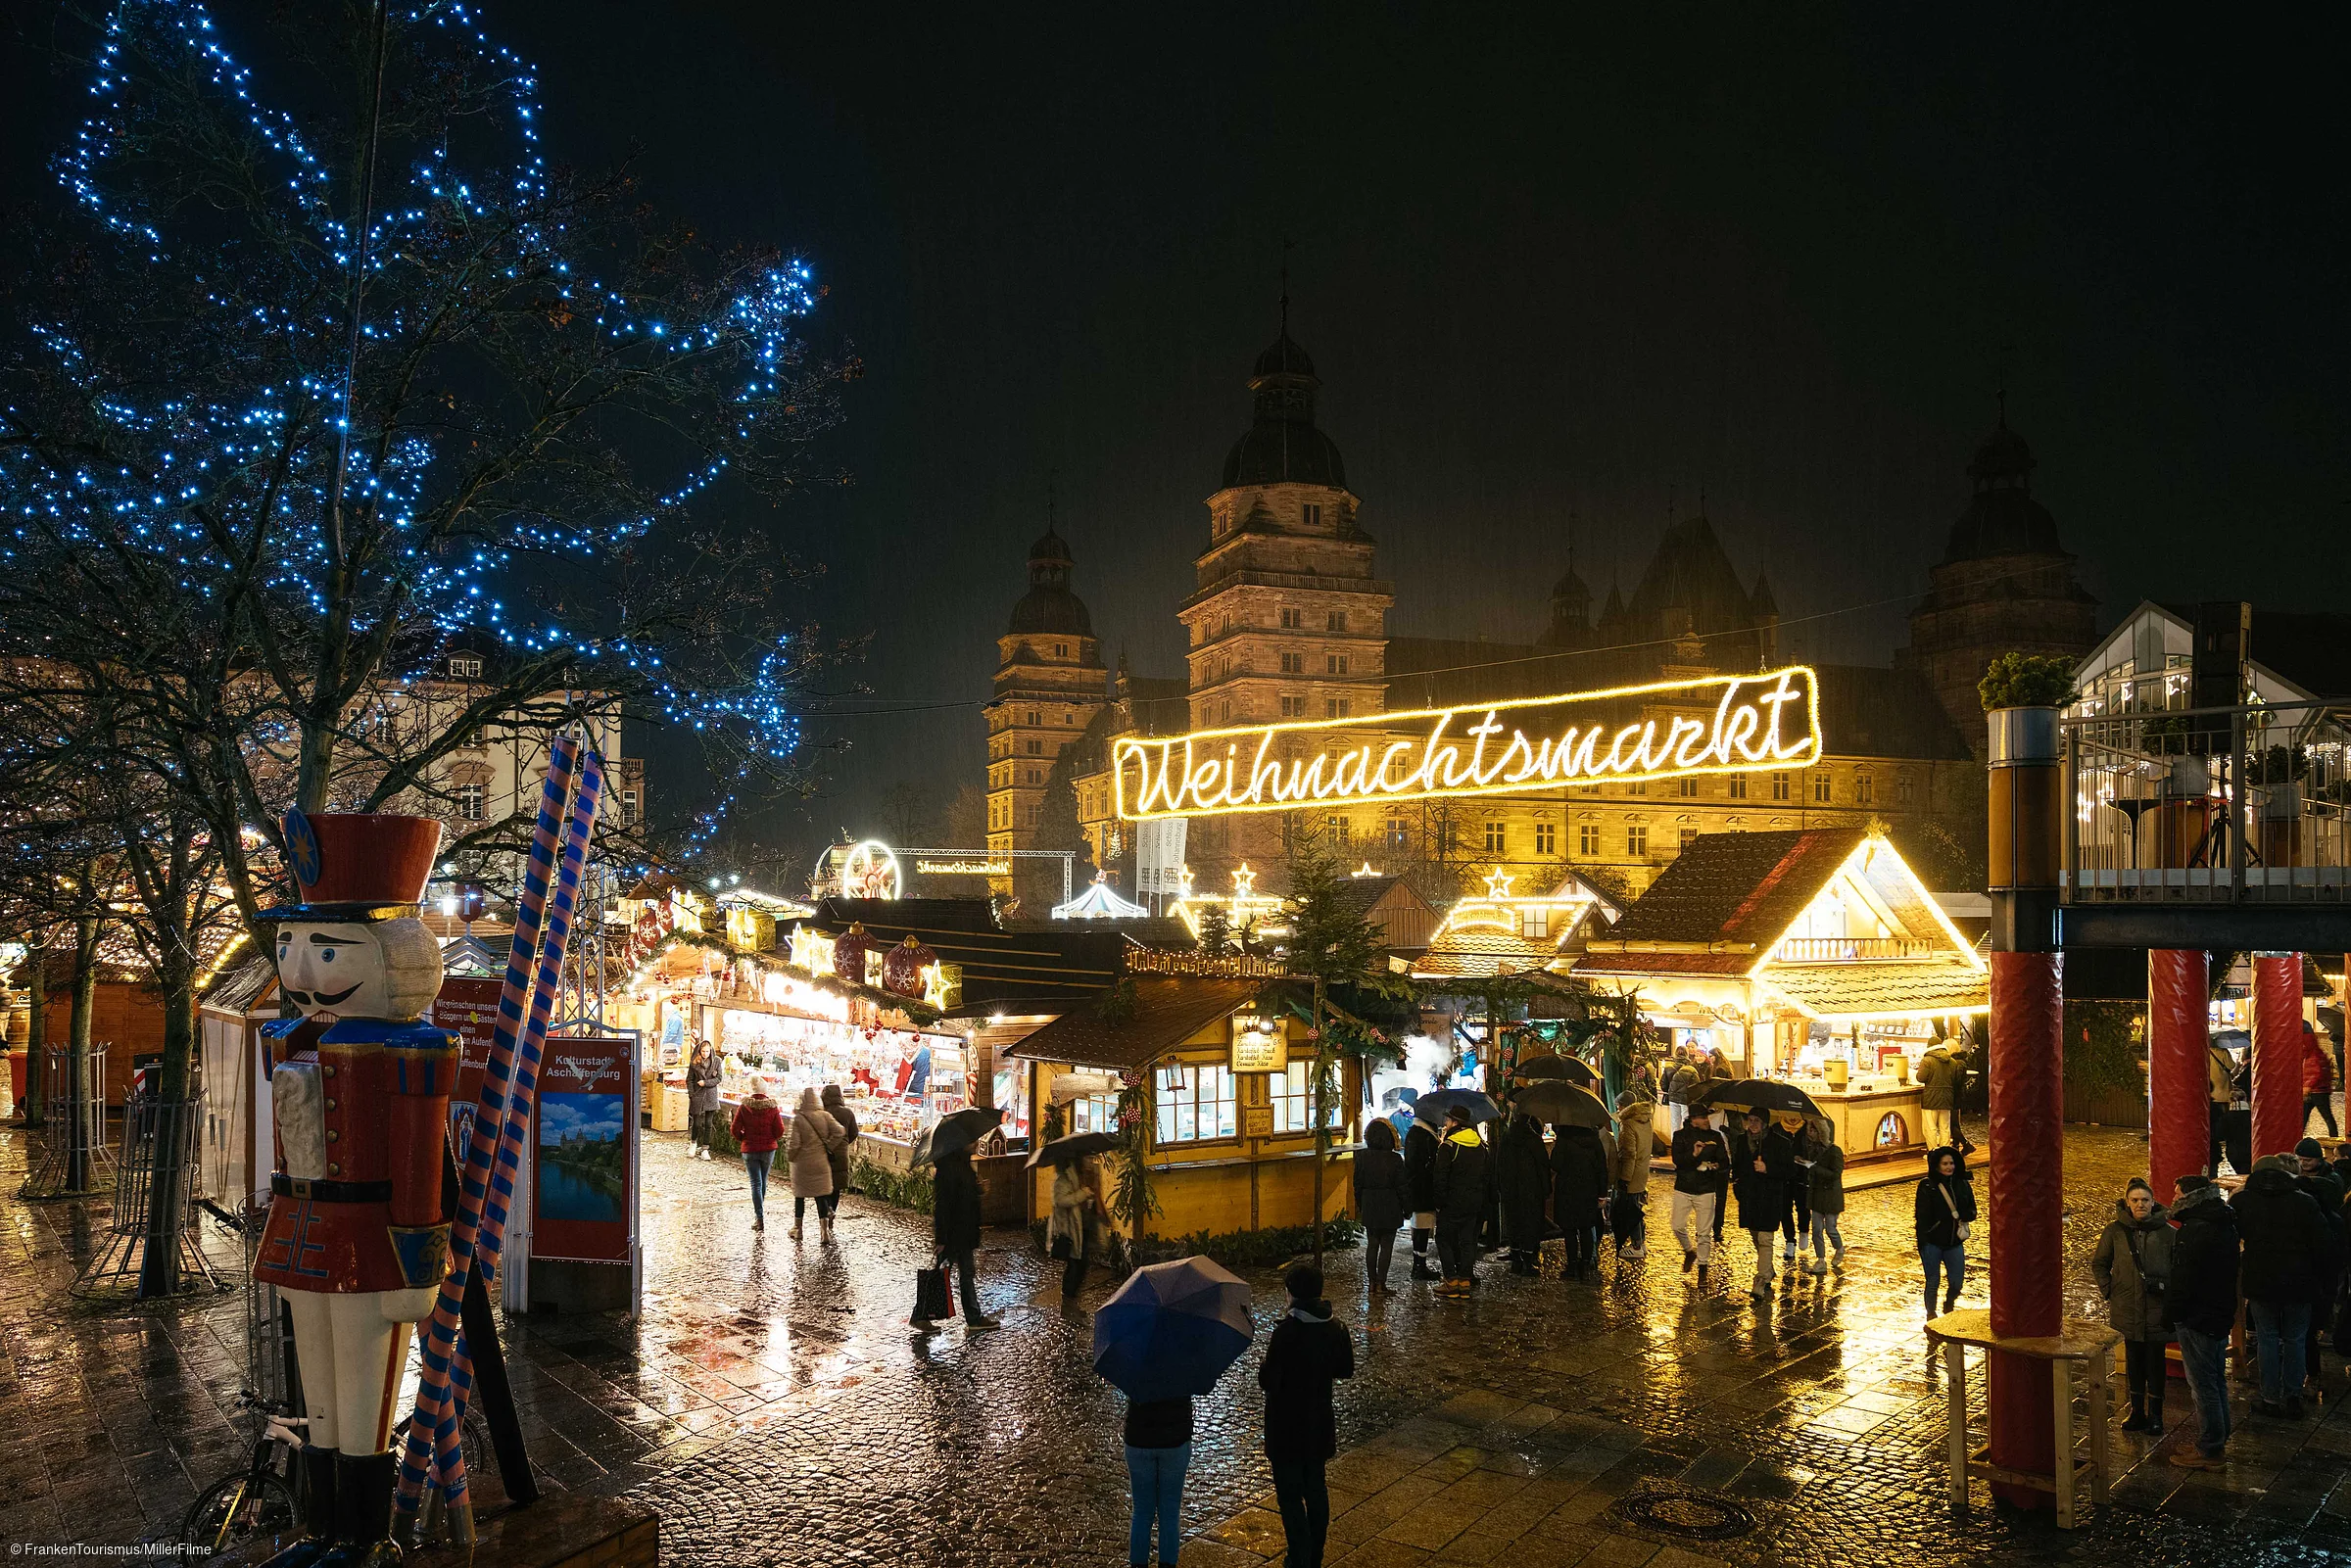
{"x":583,"y":1184}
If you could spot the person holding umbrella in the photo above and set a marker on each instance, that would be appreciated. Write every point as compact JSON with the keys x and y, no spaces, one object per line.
{"x":1420,"y":1148}
{"x":1379,"y":1199}
{"x":1465,"y":1186}
{"x":1701,"y":1173}
{"x":1762,"y":1159}
{"x":1523,"y":1179}
{"x":1579,"y":1177}
{"x":955,"y":1200}
{"x":1163,"y":1338}
{"x":1079,"y":1229}
{"x":1307,"y":1354}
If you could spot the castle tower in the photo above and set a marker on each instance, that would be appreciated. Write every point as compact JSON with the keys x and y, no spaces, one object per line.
{"x":2004,"y":584}
{"x":1050,"y":681}
{"x":1287,"y":620}
{"x":1570,"y":611}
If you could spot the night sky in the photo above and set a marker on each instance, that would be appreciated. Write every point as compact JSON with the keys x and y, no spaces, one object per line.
{"x":1558,"y":277}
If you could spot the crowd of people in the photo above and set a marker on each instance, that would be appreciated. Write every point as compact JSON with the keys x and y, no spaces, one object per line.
{"x":2175,"y":1275}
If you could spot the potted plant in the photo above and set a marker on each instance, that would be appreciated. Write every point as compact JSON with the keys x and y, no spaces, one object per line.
{"x":2021,"y":694}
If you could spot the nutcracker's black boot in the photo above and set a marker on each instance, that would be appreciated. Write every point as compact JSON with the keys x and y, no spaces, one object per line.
{"x":363,"y":1512}
{"x":317,"y":1467}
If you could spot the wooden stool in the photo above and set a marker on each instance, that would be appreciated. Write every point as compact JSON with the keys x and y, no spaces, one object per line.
{"x":2086,"y":1345}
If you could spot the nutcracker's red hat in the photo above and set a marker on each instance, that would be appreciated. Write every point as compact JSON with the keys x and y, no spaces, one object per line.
{"x":357,"y":865}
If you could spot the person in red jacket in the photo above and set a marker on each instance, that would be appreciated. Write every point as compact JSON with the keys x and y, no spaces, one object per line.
{"x":758,"y":1126}
{"x":2318,"y":1081}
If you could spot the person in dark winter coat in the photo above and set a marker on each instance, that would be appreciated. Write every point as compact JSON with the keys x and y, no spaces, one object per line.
{"x":1306,"y":1353}
{"x":2132,"y":1265}
{"x":1824,"y":1201}
{"x":1942,"y":1210}
{"x":955,"y":1227}
{"x":2288,"y":1255}
{"x":1379,"y":1201}
{"x":846,"y":1120}
{"x":702,"y":1076}
{"x":2318,"y":1081}
{"x":1702,"y":1174}
{"x":1680,"y":1084}
{"x":2200,"y":1309}
{"x":1464,"y":1187}
{"x":2326,"y":1188}
{"x":1939,"y":1076}
{"x":1579,"y":1179}
{"x":1762,"y":1164}
{"x":1523,"y":1182}
{"x":1420,"y":1146}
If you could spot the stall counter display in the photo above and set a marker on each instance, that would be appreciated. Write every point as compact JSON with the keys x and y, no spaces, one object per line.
{"x":897,"y":1082}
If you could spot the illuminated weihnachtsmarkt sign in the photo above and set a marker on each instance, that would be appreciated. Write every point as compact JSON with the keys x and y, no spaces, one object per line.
{"x":1741,"y":724}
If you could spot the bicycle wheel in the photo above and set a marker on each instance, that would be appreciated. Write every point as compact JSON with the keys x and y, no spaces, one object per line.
{"x":252,"y":1506}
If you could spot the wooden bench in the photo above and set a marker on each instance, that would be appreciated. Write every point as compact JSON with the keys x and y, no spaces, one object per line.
{"x":2087,"y":1346}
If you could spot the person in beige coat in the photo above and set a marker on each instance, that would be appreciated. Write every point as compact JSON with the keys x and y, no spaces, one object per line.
{"x":1628,"y":1210}
{"x":809,"y":1149}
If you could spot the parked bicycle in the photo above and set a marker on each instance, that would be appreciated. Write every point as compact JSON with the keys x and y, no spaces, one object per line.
{"x":262,"y":1502}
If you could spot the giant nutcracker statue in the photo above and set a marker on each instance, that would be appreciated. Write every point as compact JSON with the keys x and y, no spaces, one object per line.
{"x":356,"y":1242}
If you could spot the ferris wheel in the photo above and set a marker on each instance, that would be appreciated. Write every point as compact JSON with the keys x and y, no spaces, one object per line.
{"x":869,"y":870}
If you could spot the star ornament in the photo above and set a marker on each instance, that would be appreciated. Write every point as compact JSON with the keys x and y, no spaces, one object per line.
{"x":1243,"y":880}
{"x":1498,"y":883}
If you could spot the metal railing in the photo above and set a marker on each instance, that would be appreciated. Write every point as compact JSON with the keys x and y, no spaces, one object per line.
{"x":1851,"y":949}
{"x":2242,"y":805}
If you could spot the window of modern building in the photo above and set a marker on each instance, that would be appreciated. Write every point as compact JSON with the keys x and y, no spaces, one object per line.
{"x":1738,"y":784}
{"x":1294,"y":1100}
{"x":1865,"y":788}
{"x":1497,"y":835}
{"x":1338,"y":620}
{"x":1547,"y":838}
{"x":1635,"y":838}
{"x":1194,"y":1101}
{"x":1587,"y":839}
{"x":470,"y":802}
{"x":1821,"y":793}
{"x":1293,"y":663}
{"x":1311,"y":514}
{"x":1779,"y":787}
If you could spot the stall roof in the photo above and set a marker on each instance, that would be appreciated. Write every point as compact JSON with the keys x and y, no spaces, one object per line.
{"x":1003,"y":971}
{"x":1741,"y":890}
{"x":1881,"y":990}
{"x":1168,"y":1011}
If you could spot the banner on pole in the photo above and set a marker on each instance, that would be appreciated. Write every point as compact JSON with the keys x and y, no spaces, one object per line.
{"x":583,"y":1180}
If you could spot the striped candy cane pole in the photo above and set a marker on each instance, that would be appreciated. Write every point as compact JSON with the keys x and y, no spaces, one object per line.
{"x":449,"y":1459}
{"x":438,"y":1338}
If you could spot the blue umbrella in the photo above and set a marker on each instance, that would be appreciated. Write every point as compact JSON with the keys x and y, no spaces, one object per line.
{"x":1431,"y":1108}
{"x":1172,"y":1329}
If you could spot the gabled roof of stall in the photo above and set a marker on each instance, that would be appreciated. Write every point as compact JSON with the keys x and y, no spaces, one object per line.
{"x":1734,"y":892}
{"x":1168,"y":1011}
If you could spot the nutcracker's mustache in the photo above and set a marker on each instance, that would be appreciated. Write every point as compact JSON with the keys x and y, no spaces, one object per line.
{"x":324,"y":998}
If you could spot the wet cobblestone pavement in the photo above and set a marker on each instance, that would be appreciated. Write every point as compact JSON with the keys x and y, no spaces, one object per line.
{"x":774,"y":1408}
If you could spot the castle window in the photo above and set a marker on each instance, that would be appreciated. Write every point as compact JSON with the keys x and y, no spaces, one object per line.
{"x":1635,"y":838}
{"x":470,"y":802}
{"x":1334,"y":664}
{"x":1293,"y":707}
{"x":464,"y":668}
{"x":628,"y":808}
{"x":1497,"y":835}
{"x":1547,"y":838}
{"x":1865,"y":789}
{"x":1293,"y":663}
{"x":1738,"y":787}
{"x":1311,"y":514}
{"x":1037,"y":748}
{"x":1689,"y":782}
{"x":1033,"y":715}
{"x":1225,"y":714}
{"x":1399,"y":835}
{"x":1289,"y":620}
{"x":1060,"y":650}
{"x":1335,"y":708}
{"x":1688,"y":836}
{"x":1340,"y":833}
{"x":1587,"y":839}
{"x":1821,"y":792}
{"x":1338,"y":620}
{"x":1779,"y":787}
{"x":1639,"y":787}
{"x":1037,"y":775}
{"x":1902,"y":790}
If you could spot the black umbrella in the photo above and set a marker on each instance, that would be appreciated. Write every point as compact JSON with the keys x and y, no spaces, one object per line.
{"x":959,"y":1130}
{"x":1431,"y":1108}
{"x":1561,"y":1104}
{"x":1557,"y":1066}
{"x":1755,"y":1094}
{"x":1073,"y":1148}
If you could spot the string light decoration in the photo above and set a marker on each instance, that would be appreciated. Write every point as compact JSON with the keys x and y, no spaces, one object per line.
{"x":1756,"y":722}
{"x":1501,"y":931}
{"x":1245,"y":909}
{"x":457,"y":400}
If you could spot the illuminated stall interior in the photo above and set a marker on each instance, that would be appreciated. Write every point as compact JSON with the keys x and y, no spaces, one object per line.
{"x":1814,"y":955}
